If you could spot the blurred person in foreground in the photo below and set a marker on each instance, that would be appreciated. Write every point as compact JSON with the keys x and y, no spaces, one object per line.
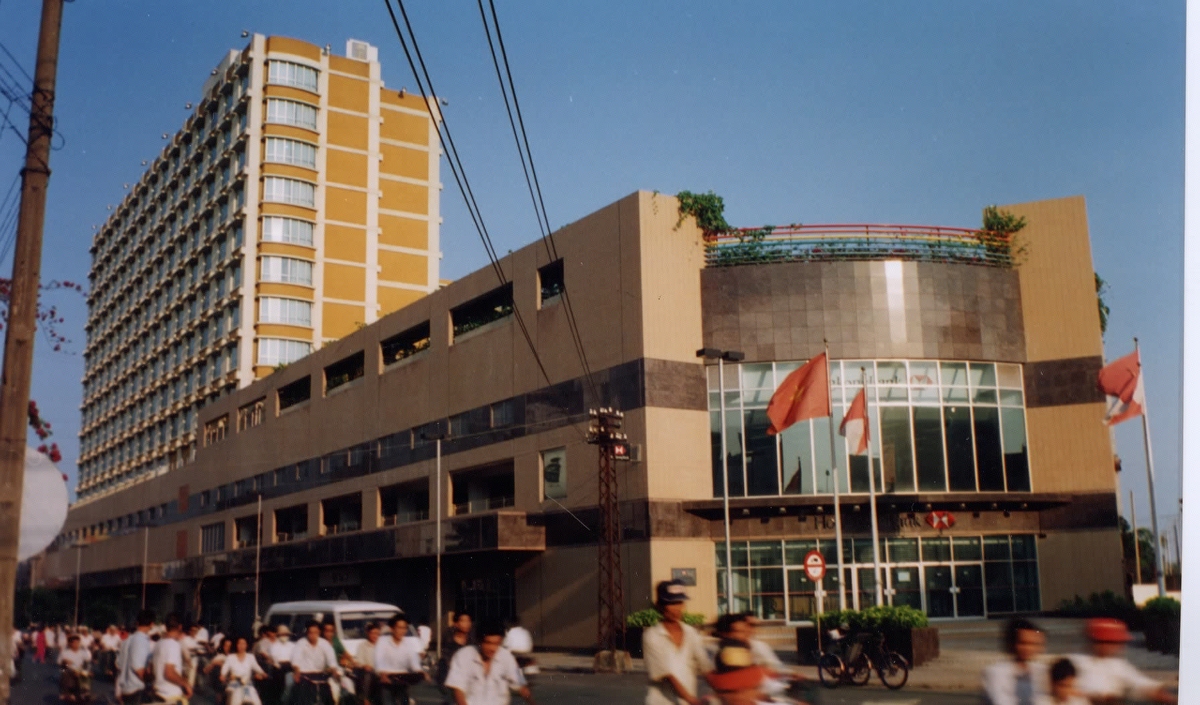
{"x":1019,"y":679}
{"x":1062,"y":686}
{"x":1105,"y":676}
{"x":674,"y":652}
{"x":487,"y":674}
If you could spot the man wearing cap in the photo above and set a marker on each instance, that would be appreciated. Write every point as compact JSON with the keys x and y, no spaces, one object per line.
{"x":674,"y":651}
{"x":1106,"y":674}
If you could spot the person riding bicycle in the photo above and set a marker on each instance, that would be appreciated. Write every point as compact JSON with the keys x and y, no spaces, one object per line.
{"x":313,"y":662}
{"x":1105,"y":674}
{"x":238,"y":672}
{"x":75,"y":686}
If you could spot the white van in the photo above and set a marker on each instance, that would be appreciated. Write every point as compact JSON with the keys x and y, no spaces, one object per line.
{"x":349,"y":617}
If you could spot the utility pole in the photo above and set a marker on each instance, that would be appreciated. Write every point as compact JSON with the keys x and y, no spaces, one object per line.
{"x":605,"y":432}
{"x":22,"y":319}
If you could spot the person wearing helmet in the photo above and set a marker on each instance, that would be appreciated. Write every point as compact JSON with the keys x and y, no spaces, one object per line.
{"x":674,"y":651}
{"x":1019,"y":679}
{"x":1106,"y":674}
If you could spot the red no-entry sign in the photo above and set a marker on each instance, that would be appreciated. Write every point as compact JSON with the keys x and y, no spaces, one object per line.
{"x":814,"y":566}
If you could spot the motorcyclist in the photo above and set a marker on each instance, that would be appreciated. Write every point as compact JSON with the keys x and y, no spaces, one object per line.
{"x":76,"y":683}
{"x":1105,"y":675}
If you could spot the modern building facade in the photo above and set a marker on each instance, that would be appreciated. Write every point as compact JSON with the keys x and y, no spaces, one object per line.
{"x":979,"y":372}
{"x":298,"y":202}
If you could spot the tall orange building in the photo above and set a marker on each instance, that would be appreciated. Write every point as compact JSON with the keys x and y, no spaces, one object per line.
{"x":298,"y":203}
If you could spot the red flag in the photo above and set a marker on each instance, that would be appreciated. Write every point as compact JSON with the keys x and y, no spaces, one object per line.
{"x":1121,"y":380}
{"x":854,"y":425}
{"x":804,"y":394}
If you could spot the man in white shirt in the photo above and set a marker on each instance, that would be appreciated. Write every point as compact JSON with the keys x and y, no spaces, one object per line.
{"x":674,"y":652}
{"x":1107,"y":674}
{"x":313,"y":661}
{"x":75,"y":661}
{"x":366,"y":681}
{"x":398,"y":663}
{"x":132,"y":657}
{"x":486,"y":675}
{"x":191,"y":644}
{"x":169,"y":684}
{"x":1020,"y":679}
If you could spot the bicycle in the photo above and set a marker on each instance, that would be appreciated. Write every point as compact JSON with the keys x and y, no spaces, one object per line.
{"x":864,"y":652}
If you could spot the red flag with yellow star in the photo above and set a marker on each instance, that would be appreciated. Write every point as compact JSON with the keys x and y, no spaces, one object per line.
{"x":804,"y":394}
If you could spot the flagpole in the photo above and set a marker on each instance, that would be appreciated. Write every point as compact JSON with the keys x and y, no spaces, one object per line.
{"x":1158,"y":557}
{"x":1137,"y":551}
{"x":257,"y":558}
{"x":837,"y":498}
{"x":871,"y":474}
{"x":725,"y":494}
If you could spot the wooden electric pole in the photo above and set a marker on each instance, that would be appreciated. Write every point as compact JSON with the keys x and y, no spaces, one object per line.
{"x":22,"y":321}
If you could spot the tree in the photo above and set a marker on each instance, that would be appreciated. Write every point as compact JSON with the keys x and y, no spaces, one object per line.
{"x":1146,"y":547}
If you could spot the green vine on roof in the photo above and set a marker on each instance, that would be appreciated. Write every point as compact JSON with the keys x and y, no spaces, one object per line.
{"x":707,"y":208}
{"x":1006,"y":224}
{"x":1101,"y":290}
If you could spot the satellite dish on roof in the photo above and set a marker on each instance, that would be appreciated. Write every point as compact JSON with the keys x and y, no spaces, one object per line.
{"x":43,"y":504}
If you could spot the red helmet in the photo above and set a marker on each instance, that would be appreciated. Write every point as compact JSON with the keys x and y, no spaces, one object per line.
{"x":1107,"y":630}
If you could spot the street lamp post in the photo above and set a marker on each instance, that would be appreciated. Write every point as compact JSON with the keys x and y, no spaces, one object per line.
{"x":78,"y":562}
{"x":437,"y":437}
{"x":721,"y":356}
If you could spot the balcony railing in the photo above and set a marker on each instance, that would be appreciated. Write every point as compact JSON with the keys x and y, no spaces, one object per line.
{"x":483,"y":505}
{"x":859,"y":242}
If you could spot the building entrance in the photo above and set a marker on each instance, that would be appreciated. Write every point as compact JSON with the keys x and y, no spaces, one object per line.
{"x":945,"y":577}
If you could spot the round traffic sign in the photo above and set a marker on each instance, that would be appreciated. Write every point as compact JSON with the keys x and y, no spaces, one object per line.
{"x":814,"y":566}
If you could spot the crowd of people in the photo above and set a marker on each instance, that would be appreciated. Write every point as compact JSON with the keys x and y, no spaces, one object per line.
{"x":167,"y":661}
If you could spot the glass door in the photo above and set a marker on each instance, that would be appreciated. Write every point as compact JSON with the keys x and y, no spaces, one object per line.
{"x":939,"y":591}
{"x":906,"y":585}
{"x":968,"y":584}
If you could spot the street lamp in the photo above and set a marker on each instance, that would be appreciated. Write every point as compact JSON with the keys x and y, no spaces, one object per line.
{"x":721,"y":356}
{"x":438,"y":434}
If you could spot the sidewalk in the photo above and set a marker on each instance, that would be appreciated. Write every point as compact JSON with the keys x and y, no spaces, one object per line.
{"x":966,"y":649}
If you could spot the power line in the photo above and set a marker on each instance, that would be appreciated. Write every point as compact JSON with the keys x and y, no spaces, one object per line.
{"x":456,"y":167}
{"x":524,"y":152}
{"x":15,"y":62}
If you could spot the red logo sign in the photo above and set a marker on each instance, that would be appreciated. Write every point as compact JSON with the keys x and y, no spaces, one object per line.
{"x":814,"y":566}
{"x":940,"y":520}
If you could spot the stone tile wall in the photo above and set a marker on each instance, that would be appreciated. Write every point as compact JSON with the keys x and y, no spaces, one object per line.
{"x":865,"y":309}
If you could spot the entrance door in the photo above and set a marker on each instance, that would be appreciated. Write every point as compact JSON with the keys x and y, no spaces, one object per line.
{"x":906,"y":586}
{"x":939,"y":596}
{"x":968,"y":579}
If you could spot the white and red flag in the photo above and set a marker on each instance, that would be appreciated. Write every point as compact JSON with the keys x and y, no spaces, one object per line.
{"x":855,"y":427}
{"x":1121,"y":380}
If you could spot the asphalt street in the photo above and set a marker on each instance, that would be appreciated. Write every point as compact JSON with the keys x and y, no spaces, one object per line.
{"x":40,"y":687}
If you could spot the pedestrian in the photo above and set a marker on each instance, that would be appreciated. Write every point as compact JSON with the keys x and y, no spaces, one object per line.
{"x":1105,"y":673}
{"x":486,"y":675}
{"x":170,"y":685}
{"x":458,"y":636}
{"x":1019,"y":679}
{"x":40,"y":641}
{"x":238,"y":673}
{"x":313,"y":662}
{"x":397,"y":663}
{"x":132,"y":658}
{"x":674,"y":652}
{"x":1062,"y":685}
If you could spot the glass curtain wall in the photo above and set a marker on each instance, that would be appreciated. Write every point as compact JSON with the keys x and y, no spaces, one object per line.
{"x":936,"y":426}
{"x":946,"y":577}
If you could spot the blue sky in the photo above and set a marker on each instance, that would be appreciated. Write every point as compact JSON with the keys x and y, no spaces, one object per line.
{"x":792,"y":111}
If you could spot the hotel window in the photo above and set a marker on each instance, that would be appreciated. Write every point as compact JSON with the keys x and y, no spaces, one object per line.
{"x":285,"y":151}
{"x":281,"y":190}
{"x":287,"y":270}
{"x":935,"y":427}
{"x":290,"y":230}
{"x":290,"y":112}
{"x":293,"y":312}
{"x":278,"y":351}
{"x":286,"y":73}
{"x":212,"y":538}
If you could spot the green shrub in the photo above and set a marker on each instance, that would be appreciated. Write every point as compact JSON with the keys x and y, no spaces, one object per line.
{"x":1162,"y":607}
{"x":881,"y":618}
{"x":650,"y":617}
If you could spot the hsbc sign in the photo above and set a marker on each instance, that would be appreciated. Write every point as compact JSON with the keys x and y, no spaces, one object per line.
{"x":940,"y":520}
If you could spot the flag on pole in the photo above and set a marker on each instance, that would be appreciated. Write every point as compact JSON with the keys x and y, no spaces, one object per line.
{"x":854,"y":425}
{"x":1122,"y":382}
{"x":803,"y":394}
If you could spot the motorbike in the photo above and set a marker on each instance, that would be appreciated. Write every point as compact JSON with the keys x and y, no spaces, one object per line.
{"x":75,"y":686}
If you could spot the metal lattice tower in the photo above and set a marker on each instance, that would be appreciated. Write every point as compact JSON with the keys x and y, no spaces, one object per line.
{"x":610,"y":624}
